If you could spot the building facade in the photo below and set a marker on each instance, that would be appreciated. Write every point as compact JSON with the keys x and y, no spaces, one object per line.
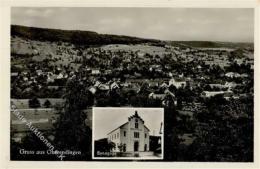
{"x":132,"y":136}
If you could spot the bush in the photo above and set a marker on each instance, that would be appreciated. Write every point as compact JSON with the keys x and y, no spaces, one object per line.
{"x":34,"y":103}
{"x":136,"y":155}
{"x":47,"y":103}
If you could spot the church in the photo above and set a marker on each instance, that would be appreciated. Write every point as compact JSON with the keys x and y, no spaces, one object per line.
{"x":132,"y":136}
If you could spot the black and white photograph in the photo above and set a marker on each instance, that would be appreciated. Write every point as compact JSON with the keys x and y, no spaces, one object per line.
{"x":127,"y":133}
{"x":143,"y":84}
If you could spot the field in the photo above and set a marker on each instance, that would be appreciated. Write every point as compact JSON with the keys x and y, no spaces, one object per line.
{"x":42,"y":118}
{"x":135,"y":48}
{"x":24,"y":103}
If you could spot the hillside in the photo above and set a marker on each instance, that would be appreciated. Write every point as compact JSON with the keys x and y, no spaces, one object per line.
{"x":74,"y":36}
{"x":211,"y":44}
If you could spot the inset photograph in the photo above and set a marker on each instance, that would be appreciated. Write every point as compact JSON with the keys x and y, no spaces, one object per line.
{"x":128,"y":133}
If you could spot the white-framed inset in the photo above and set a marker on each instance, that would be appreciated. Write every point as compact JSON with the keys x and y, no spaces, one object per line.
{"x":135,"y":133}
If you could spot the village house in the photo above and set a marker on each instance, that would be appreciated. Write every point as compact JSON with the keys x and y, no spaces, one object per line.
{"x":103,"y":87}
{"x":177,"y":82}
{"x":156,"y":96}
{"x":132,"y":135}
{"x":208,"y":94}
{"x":14,"y":75}
{"x":232,"y":74}
{"x":95,"y":71}
{"x":114,"y":85}
{"x":93,"y":90}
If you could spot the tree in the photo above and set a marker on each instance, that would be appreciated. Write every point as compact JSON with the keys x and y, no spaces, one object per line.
{"x":116,"y":62}
{"x":171,"y":139}
{"x":72,"y":131}
{"x":103,"y":145}
{"x":34,"y":103}
{"x":121,"y":147}
{"x":47,"y":103}
{"x":226,"y":132}
{"x":32,"y":143}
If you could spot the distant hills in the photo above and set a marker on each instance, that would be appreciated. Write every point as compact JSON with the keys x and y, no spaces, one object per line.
{"x":211,"y":44}
{"x":89,"y":38}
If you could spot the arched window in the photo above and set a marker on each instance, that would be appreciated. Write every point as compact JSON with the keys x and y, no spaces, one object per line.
{"x":136,"y":123}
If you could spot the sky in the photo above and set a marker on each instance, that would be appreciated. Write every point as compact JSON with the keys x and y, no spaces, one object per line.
{"x":107,"y":119}
{"x":184,"y":24}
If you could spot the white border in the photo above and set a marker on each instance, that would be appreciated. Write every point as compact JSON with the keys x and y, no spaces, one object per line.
{"x":5,"y":82}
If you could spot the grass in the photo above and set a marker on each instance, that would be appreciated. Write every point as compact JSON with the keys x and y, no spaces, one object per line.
{"x":23,"y":103}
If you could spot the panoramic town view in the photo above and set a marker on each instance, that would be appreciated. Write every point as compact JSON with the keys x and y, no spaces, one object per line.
{"x":205,"y":87}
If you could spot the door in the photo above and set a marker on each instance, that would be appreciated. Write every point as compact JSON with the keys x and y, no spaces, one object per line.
{"x":136,"y":146}
{"x":124,"y":148}
{"x":145,"y":147}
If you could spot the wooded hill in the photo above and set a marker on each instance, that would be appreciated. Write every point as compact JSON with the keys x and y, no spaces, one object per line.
{"x":75,"y":36}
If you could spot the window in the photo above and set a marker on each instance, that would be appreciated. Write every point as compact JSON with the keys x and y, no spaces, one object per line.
{"x":145,"y":135}
{"x":124,"y":133}
{"x":136,"y":124}
{"x":136,"y":135}
{"x":117,"y":135}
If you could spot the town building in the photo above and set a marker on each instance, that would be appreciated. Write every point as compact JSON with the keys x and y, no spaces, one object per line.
{"x":208,"y":94}
{"x":133,"y":135}
{"x":177,"y":82}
